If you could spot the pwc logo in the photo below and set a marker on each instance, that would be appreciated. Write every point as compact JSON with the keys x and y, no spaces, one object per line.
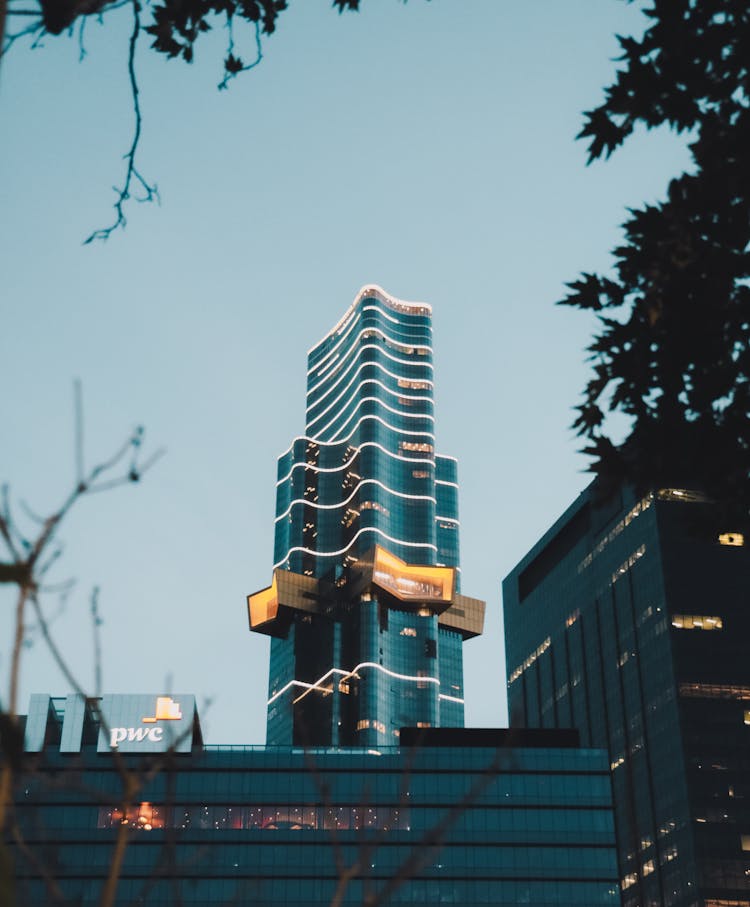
{"x":166,"y":710}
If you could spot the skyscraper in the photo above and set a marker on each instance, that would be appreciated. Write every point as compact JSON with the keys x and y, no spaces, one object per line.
{"x":364,"y":611}
{"x":630,"y":621}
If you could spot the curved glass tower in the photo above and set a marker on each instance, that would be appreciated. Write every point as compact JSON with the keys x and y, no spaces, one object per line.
{"x":365,"y":611}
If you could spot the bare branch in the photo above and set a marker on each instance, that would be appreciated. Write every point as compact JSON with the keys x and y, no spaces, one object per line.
{"x":52,"y":645}
{"x":96,"y":623}
{"x":6,"y":523}
{"x":32,"y":515}
{"x":132,"y":173}
{"x":18,"y":636}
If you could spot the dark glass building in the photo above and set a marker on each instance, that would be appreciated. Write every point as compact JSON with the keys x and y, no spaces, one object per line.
{"x":454,"y":816}
{"x":365,"y":613}
{"x":630,"y":620}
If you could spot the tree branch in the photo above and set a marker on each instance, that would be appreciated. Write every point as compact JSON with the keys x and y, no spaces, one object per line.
{"x":234,"y":65}
{"x":132,"y":173}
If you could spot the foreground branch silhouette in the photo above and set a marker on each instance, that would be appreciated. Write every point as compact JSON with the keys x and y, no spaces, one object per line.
{"x":29,"y":558}
{"x":175,"y":28}
{"x":674,"y":355}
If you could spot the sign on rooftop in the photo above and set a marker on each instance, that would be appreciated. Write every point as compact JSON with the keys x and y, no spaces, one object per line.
{"x":146,"y":723}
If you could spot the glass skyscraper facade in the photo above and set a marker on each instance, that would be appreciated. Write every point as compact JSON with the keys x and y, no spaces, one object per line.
{"x":630,"y":620}
{"x":475,"y":818}
{"x":365,"y":611}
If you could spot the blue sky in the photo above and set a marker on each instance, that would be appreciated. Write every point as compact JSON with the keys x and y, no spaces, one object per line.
{"x":426,"y":147}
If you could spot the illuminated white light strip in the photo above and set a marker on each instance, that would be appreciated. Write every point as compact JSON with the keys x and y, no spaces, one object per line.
{"x":345,"y":465}
{"x":450,"y":698}
{"x":343,"y":335}
{"x":363,"y":363}
{"x":443,"y":482}
{"x":448,"y":519}
{"x":365,"y":664}
{"x":399,"y":394}
{"x":357,"y":372}
{"x":371,"y":289}
{"x":359,"y":400}
{"x":378,"y":365}
{"x":401,"y":325}
{"x":338,"y":438}
{"x":399,"y":494}
{"x":330,"y":364}
{"x":355,"y":412}
{"x":421,"y":363}
{"x":370,"y":330}
{"x":374,"y":308}
{"x":374,"y":529}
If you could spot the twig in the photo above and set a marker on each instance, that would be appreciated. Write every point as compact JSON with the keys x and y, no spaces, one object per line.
{"x":132,"y":173}
{"x":52,"y":645}
{"x":96,"y":623}
{"x":53,"y":888}
{"x":15,"y":664}
{"x":36,"y":28}
{"x":232,"y":64}
{"x":81,"y":48}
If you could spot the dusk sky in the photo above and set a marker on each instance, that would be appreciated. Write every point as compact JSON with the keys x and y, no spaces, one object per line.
{"x":429,"y":148}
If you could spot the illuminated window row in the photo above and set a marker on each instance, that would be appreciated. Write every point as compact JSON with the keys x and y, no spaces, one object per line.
{"x":528,"y":662}
{"x":366,"y":723}
{"x":714,"y":691}
{"x":732,"y":539}
{"x":628,"y":564}
{"x":355,"y":454}
{"x":346,"y":501}
{"x":696,"y":622}
{"x":635,"y":511}
{"x":148,"y":817}
{"x":416,"y":386}
{"x":683,"y":495}
{"x":346,"y":548}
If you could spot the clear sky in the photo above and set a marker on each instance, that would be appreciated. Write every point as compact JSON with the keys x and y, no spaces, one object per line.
{"x":428,"y":148}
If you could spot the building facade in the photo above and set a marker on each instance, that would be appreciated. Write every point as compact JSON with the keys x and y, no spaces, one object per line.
{"x":365,"y":611}
{"x":472,"y":818}
{"x":630,"y":621}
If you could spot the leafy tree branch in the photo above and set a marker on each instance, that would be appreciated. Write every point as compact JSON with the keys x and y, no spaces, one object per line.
{"x":673,"y":349}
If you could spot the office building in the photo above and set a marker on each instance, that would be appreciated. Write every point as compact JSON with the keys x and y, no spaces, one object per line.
{"x":630,"y":620}
{"x":364,"y":610}
{"x":452,"y":816}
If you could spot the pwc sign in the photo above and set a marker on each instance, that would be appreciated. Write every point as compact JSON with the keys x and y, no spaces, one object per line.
{"x":147,"y":724}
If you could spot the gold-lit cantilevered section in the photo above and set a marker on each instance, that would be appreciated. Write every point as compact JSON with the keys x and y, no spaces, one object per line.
{"x":413,"y":582}
{"x":271,"y":610}
{"x":379,"y":573}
